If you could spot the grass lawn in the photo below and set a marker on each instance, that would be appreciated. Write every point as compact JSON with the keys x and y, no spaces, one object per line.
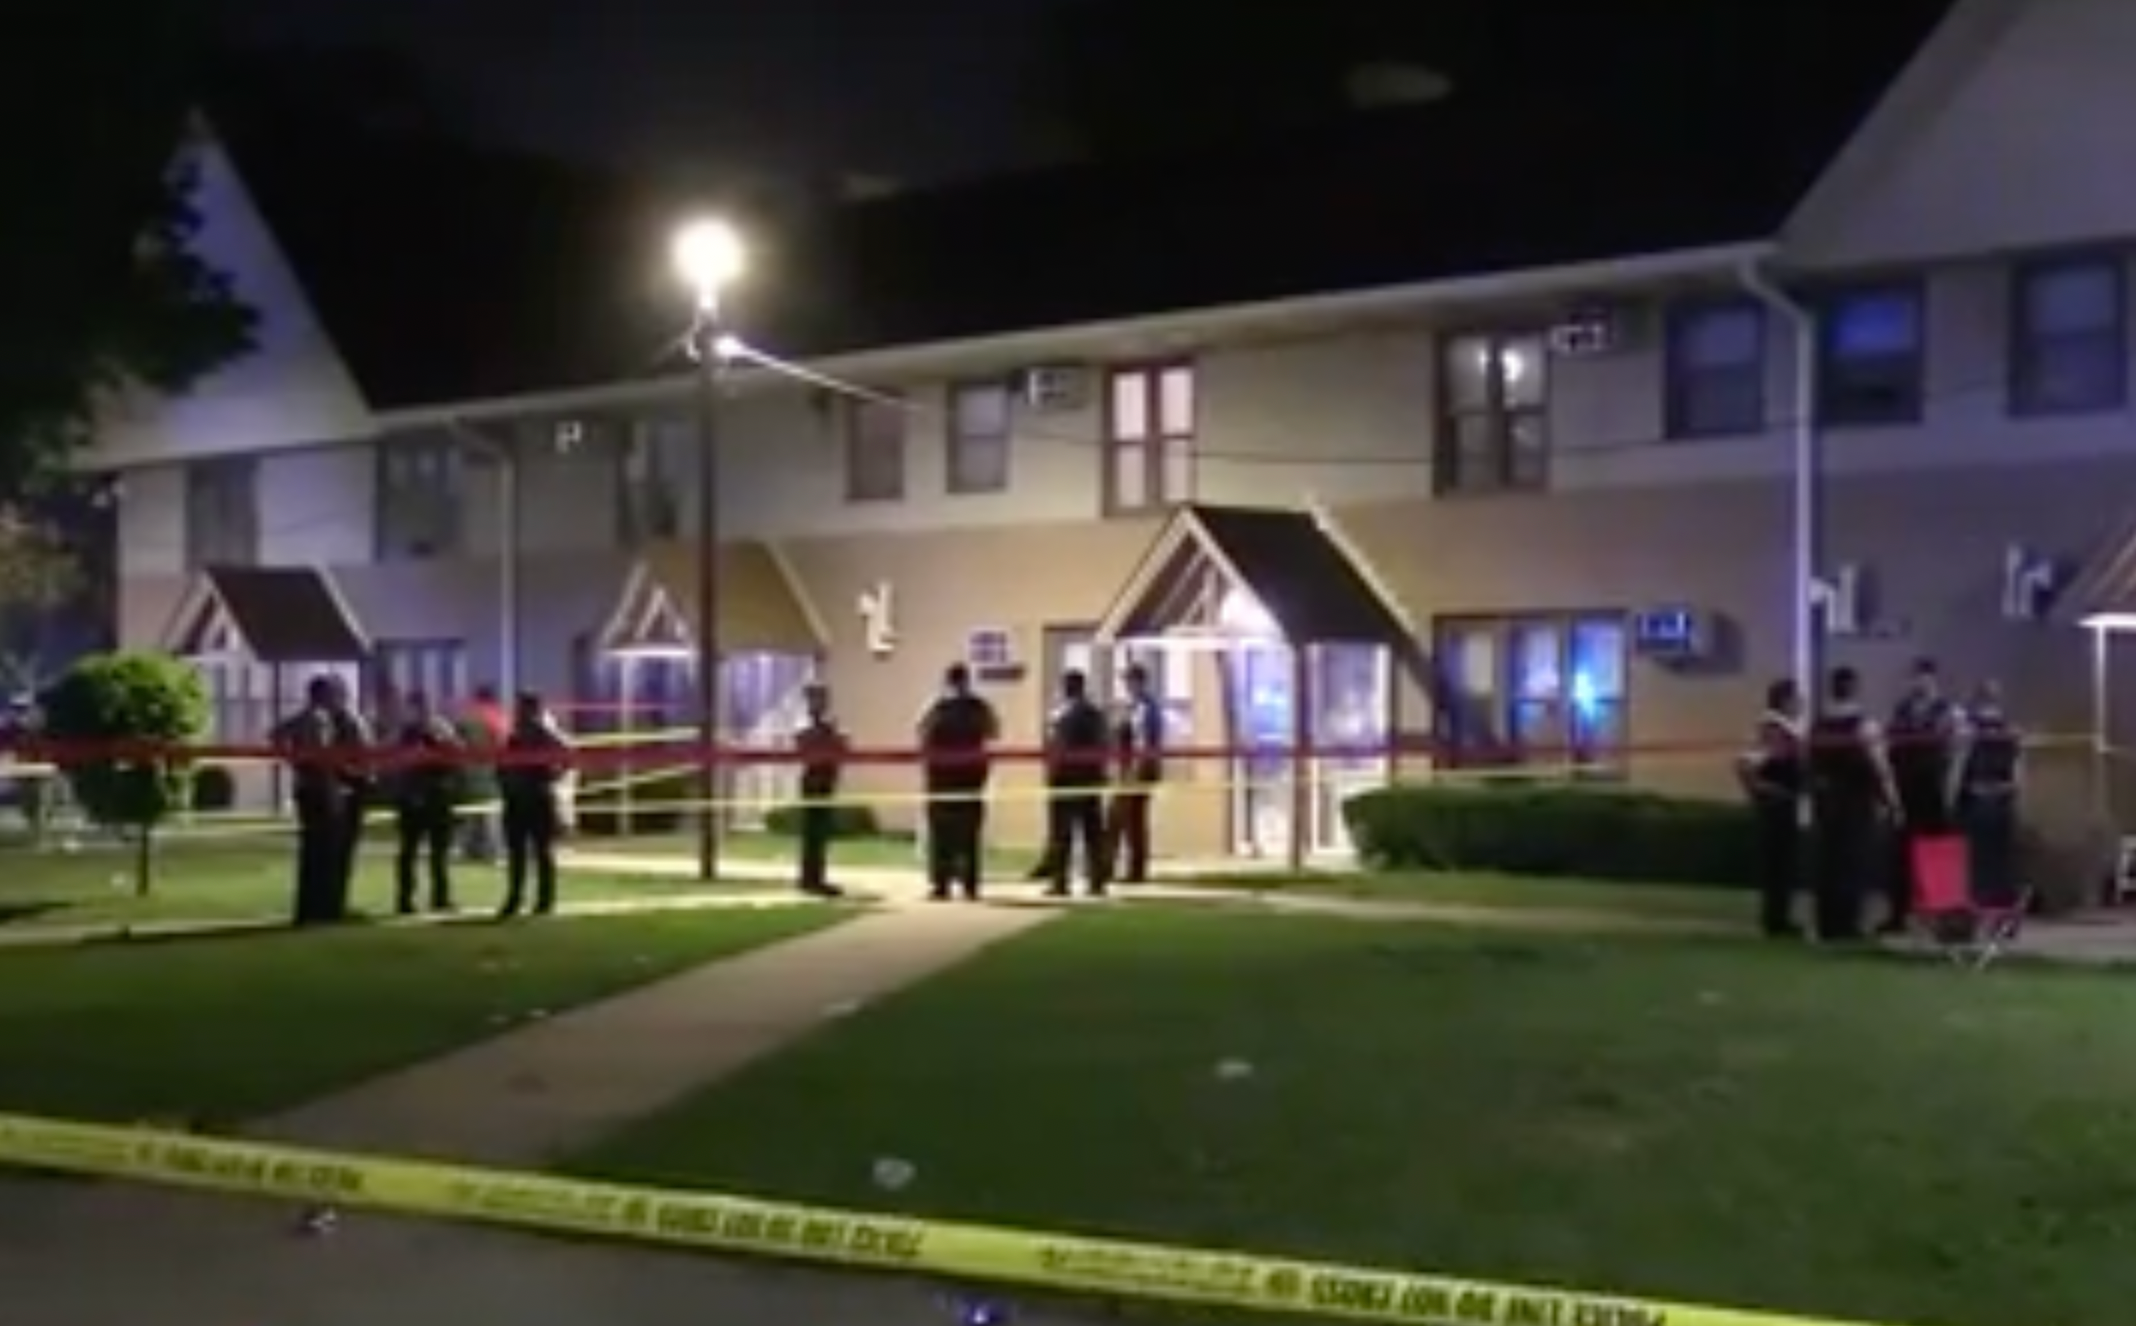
{"x":233,"y":878}
{"x":1717,"y":1121}
{"x":1507,"y":892}
{"x":230,"y":1028}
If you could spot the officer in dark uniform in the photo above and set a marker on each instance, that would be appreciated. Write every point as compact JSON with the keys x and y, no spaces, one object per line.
{"x":1139,"y":742}
{"x":1851,"y":793}
{"x":325,"y":744}
{"x":427,"y":781}
{"x":1922,"y":740}
{"x":1078,"y":744}
{"x":533,"y":760}
{"x":955,"y":733}
{"x":1990,"y":776}
{"x":822,"y":748}
{"x":1773,"y":774}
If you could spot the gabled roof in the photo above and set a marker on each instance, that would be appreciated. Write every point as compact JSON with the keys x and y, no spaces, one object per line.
{"x":446,"y":275}
{"x":761,"y":605}
{"x":270,"y":614}
{"x":2105,"y":583}
{"x":1287,"y":563}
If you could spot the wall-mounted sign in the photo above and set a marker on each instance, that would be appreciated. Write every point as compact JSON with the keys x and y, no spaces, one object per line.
{"x":878,"y":620}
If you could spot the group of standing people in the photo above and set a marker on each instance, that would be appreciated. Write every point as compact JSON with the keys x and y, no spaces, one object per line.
{"x":1871,"y":793}
{"x":1087,"y":751}
{"x":428,"y":773}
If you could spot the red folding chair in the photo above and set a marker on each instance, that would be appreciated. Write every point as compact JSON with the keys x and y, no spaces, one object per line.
{"x":1963,"y":928}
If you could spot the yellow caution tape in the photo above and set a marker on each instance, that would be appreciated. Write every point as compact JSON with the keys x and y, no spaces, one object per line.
{"x":714,"y":1222}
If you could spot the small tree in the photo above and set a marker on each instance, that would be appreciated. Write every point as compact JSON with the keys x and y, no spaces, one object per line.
{"x":124,"y":712}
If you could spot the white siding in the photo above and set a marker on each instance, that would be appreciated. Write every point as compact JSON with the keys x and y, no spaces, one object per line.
{"x":2012,"y":133}
{"x":316,"y":507}
{"x":152,"y":522}
{"x":292,"y":390}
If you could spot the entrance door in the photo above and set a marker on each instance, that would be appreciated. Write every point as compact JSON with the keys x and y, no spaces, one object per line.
{"x":1259,"y":701}
{"x":1353,"y":701}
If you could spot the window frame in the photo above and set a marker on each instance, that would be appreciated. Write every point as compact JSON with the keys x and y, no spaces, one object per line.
{"x":418,"y":653}
{"x":879,"y":482}
{"x":1449,"y":477}
{"x":960,"y":476}
{"x":2025,"y":354}
{"x":662,"y":487}
{"x":1913,"y":365}
{"x":1498,"y":747}
{"x":394,"y":506}
{"x":1160,"y":438}
{"x":229,"y":534}
{"x":1681,"y":421}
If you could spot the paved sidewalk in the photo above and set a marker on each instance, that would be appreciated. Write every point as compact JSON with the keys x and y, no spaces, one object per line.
{"x":120,"y":1255}
{"x":558,"y":1085}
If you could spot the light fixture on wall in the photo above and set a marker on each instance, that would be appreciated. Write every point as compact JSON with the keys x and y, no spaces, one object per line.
{"x":1240,"y":613}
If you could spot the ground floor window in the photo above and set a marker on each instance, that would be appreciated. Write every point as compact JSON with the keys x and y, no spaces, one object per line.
{"x":1171,"y":673}
{"x":1531,"y":689}
{"x":435,"y":669}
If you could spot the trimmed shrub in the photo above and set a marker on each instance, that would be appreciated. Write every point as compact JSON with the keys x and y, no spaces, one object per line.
{"x":107,"y":703}
{"x":1571,"y":830}
{"x":848,"y":820}
{"x":214,"y":789}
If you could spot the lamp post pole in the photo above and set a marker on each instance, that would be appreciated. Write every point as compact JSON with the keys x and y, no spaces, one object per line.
{"x":704,"y":346}
{"x":708,"y":257}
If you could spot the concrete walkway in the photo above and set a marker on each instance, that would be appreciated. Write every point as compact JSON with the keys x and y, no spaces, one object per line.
{"x":559,"y":1085}
{"x":118,"y":1255}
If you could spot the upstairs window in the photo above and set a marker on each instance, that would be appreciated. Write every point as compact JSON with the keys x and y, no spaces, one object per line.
{"x":654,"y":472}
{"x":2069,"y":351}
{"x":1494,"y":414}
{"x":222,"y":513}
{"x":982,"y":418}
{"x":1150,"y":420}
{"x":875,"y":450}
{"x":1870,"y":356}
{"x":1716,"y":370}
{"x":421,"y":486}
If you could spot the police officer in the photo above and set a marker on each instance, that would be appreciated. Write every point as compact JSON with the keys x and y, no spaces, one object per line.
{"x":955,"y":733}
{"x":1139,"y":742}
{"x":1851,"y":792}
{"x":1077,"y":745}
{"x":426,"y":791}
{"x":1773,"y":774}
{"x":822,"y":748}
{"x":1923,"y":737}
{"x":1990,"y":776}
{"x":323,"y":744}
{"x":534,"y":759}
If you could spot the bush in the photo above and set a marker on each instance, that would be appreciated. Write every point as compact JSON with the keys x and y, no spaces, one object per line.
{"x":121,"y":700}
{"x":848,"y":820}
{"x":1559,"y":830}
{"x":214,"y":789}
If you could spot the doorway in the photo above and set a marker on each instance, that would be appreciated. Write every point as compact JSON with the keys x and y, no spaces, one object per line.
{"x":1352,"y":704}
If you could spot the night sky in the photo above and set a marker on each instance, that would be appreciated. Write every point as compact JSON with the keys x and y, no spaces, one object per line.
{"x":911,"y":87}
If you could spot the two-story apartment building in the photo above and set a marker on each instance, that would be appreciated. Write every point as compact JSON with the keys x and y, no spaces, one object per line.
{"x":1544,"y":422}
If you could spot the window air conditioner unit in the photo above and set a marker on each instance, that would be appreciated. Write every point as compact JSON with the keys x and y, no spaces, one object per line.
{"x":1588,"y":331}
{"x":1053,"y":388}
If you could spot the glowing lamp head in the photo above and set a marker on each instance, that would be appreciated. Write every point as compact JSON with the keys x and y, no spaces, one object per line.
{"x":708,"y":257}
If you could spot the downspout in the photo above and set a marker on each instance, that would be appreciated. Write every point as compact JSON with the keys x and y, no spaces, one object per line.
{"x":1808,"y":522}
{"x":1807,"y":512}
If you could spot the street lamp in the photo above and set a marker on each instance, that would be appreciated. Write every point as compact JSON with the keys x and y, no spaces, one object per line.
{"x":708,"y":257}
